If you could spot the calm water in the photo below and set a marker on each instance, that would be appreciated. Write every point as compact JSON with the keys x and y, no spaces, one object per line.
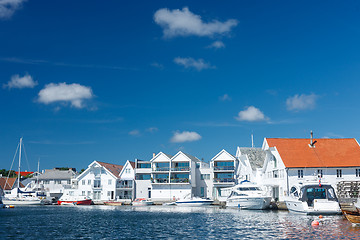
{"x":165,"y":222}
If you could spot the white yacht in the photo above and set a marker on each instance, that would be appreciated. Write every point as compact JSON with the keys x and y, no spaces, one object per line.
{"x":313,"y":198}
{"x":189,"y":201}
{"x":247,"y":195}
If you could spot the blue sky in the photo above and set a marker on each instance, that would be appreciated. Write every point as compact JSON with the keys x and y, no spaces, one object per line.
{"x":114,"y":81}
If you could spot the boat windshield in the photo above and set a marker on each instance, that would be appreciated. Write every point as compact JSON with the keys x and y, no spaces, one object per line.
{"x":249,"y":189}
{"x":319,"y":192}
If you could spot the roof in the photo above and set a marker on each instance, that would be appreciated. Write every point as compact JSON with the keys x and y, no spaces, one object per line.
{"x":24,"y":173}
{"x":9,"y":184}
{"x":256,"y":156}
{"x":132,"y":164}
{"x":195,"y":159}
{"x":113,"y":168}
{"x":344,"y":152}
{"x":57,"y":174}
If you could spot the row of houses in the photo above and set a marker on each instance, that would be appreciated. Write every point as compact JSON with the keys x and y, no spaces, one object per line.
{"x":278,"y":165}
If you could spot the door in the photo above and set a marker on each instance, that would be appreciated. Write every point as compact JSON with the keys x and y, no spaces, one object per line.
{"x":149,"y":192}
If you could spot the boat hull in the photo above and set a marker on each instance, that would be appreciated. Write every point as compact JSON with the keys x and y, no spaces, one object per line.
{"x":353,"y":217}
{"x":320,"y":207}
{"x":75,"y":202}
{"x":256,"y":203}
{"x":142,"y":203}
{"x":22,"y":202}
{"x":109,"y":203}
{"x":193,"y":203}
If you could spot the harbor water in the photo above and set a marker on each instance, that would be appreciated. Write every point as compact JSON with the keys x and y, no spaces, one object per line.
{"x":166,"y":222}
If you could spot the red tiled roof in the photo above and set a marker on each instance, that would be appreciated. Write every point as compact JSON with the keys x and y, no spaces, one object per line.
{"x":296,"y":152}
{"x":24,"y":173}
{"x":9,"y":183}
{"x":113,"y":168}
{"x":132,"y":164}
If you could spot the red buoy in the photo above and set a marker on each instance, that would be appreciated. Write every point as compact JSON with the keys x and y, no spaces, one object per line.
{"x":315,"y":223}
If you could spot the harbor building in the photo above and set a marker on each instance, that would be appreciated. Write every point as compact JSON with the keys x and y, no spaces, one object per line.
{"x":125,"y":185}
{"x":174,"y":177}
{"x":290,"y":162}
{"x":143,"y":178}
{"x":100,"y":181}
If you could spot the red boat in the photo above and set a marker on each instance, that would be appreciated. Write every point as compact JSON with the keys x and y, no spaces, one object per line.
{"x":74,"y":201}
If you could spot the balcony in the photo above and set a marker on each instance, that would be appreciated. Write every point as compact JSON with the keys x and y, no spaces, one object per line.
{"x":224,"y":168}
{"x":180,"y":169}
{"x":97,"y":187}
{"x":224,"y":180}
{"x":160,"y":180}
{"x":161,"y":169}
{"x":124,"y":186}
{"x":179,"y":180}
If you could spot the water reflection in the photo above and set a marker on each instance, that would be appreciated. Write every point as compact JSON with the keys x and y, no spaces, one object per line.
{"x":169,"y":222}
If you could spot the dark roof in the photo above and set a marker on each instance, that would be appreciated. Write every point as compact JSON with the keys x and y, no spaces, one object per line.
{"x":9,"y":183}
{"x":132,"y":164}
{"x":113,"y":168}
{"x":51,"y":174}
{"x":256,"y":156}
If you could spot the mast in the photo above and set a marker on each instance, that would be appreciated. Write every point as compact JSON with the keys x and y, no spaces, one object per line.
{"x":18,"y":183}
{"x":37,"y":175}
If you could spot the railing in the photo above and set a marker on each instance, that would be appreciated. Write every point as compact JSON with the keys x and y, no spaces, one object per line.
{"x":224,"y":168}
{"x":161,"y":169}
{"x":180,"y":169}
{"x":160,"y":180}
{"x":124,"y":186}
{"x":224,"y":180}
{"x":97,"y":187}
{"x":179,"y":180}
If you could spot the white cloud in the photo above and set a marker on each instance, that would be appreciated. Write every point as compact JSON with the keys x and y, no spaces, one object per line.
{"x":8,"y":7}
{"x":21,"y":82}
{"x":134,"y":132}
{"x":225,"y":97}
{"x":152,"y":129}
{"x":185,"y":136}
{"x":217,"y":44}
{"x":157,"y":65}
{"x":251,"y":114}
{"x":199,"y":64}
{"x":184,"y":23}
{"x":62,"y":92}
{"x":301,"y":102}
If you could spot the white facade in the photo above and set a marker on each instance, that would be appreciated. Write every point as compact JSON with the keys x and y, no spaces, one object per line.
{"x":125,"y":188}
{"x":142,"y":179}
{"x":96,"y":182}
{"x":281,"y":178}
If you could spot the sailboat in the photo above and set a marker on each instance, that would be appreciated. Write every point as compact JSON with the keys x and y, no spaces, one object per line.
{"x":17,"y":196}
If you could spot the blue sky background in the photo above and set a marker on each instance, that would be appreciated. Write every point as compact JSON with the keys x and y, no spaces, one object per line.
{"x":122,"y":87}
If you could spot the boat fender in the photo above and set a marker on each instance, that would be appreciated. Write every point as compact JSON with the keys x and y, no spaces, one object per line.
{"x":315,"y":223}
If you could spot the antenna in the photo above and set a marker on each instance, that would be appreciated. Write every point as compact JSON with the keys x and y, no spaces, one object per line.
{"x":252,"y":140}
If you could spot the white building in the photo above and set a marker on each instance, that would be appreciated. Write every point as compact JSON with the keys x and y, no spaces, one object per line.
{"x":142,"y":179}
{"x":289,"y":162}
{"x":174,"y":177}
{"x":100,"y":182}
{"x":125,"y":188}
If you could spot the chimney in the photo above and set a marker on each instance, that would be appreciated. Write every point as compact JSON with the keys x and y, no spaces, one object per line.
{"x":154,"y":154}
{"x":311,"y":138}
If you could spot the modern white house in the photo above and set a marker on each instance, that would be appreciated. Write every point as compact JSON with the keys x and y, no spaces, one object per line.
{"x":125,"y":187}
{"x":289,"y":162}
{"x":100,"y":181}
{"x":142,"y":178}
{"x":174,"y":177}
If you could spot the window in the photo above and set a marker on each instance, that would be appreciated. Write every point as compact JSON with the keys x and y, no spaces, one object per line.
{"x":71,"y":193}
{"x":357,"y":172}
{"x":143,"y":176}
{"x":57,"y":181}
{"x":89,"y":193}
{"x":68,"y":181}
{"x":205,"y":176}
{"x":127,"y":170}
{"x":300,"y":173}
{"x":275,"y":173}
{"x":108,"y":193}
{"x":89,"y":182}
{"x":109,"y":182}
{"x":202,"y":193}
{"x":143,"y":165}
{"x":46,"y":182}
{"x":83,"y":182}
{"x":83,"y":193}
{"x":338,"y":173}
{"x":320,"y":173}
{"x":97,"y":183}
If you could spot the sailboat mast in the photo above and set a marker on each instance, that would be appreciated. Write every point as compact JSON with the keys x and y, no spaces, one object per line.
{"x":18,"y":183}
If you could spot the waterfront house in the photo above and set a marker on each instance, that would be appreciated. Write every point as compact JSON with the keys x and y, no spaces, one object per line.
{"x":53,"y":181}
{"x":174,"y":177}
{"x":125,"y":186}
{"x":99,"y":182}
{"x":294,"y":161}
{"x":143,"y":178}
{"x":251,"y":161}
{"x":7,"y":184}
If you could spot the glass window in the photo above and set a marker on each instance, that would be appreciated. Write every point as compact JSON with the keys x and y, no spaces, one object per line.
{"x":202,"y":192}
{"x":338,"y":173}
{"x":83,"y":193}
{"x":320,"y":173}
{"x":89,"y":182}
{"x":109,"y":182}
{"x":300,"y":173}
{"x":83,"y":182}
{"x":143,"y":165}
{"x":97,"y":183}
{"x":143,"y":176}
{"x":357,"y":172}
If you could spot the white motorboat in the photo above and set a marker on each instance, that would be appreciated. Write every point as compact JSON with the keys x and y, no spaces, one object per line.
{"x":248,"y":195}
{"x":142,"y":202}
{"x":313,"y":198}
{"x":189,"y":201}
